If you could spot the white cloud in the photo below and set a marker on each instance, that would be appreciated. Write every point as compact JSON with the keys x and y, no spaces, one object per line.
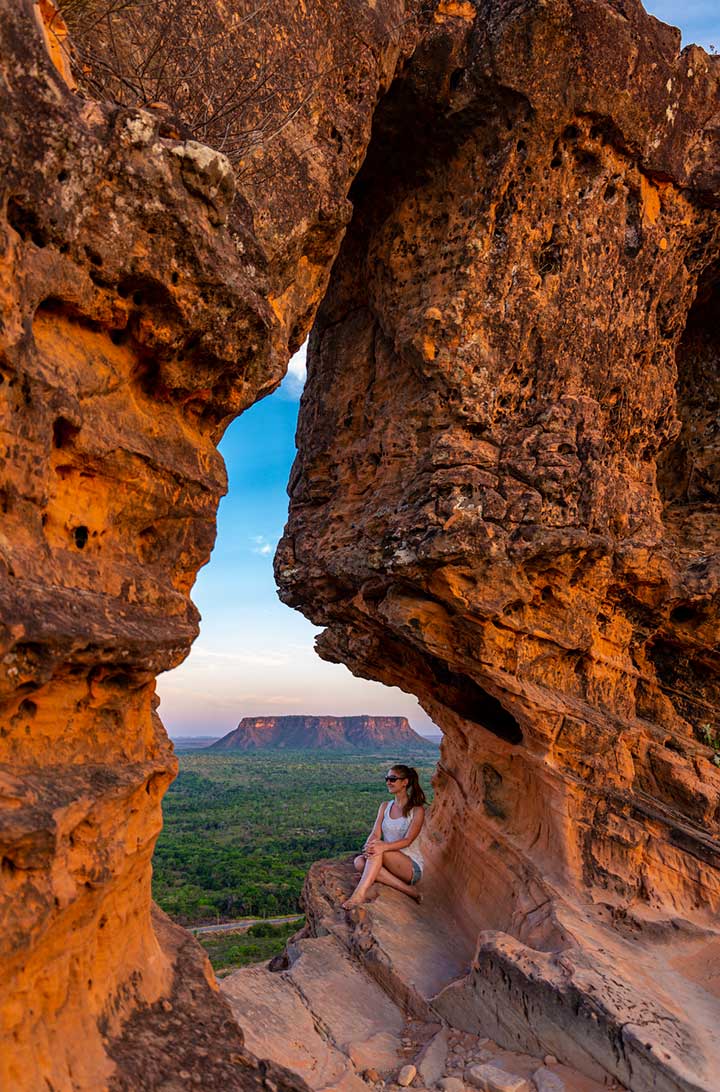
{"x":294,"y":382}
{"x":252,"y":659}
{"x":262,"y":546}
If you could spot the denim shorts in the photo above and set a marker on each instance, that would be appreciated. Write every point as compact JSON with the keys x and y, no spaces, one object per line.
{"x":417,"y":873}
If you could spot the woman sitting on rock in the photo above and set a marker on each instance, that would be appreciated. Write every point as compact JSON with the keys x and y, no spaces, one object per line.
{"x":393,"y":859}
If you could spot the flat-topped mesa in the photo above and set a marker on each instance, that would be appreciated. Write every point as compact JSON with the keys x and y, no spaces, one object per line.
{"x":506,"y":501}
{"x":296,"y":733}
{"x":150,"y":292}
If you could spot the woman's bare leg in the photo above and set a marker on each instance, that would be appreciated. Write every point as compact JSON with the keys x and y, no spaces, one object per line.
{"x":385,"y":876}
{"x":373,"y":865}
{"x":385,"y":870}
{"x":398,"y":869}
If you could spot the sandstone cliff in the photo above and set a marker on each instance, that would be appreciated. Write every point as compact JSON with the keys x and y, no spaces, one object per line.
{"x":324,"y":733}
{"x":506,"y":501}
{"x":149,"y":293}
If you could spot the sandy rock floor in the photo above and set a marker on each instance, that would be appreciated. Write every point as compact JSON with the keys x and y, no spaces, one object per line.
{"x":349,"y":1010}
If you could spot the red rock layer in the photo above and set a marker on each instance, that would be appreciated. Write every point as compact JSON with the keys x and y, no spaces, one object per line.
{"x":506,"y":501}
{"x":326,"y":733}
{"x":146,"y":300}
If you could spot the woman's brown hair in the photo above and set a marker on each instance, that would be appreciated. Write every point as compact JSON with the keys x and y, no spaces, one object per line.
{"x":416,"y":797}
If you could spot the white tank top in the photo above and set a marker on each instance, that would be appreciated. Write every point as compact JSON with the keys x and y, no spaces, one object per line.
{"x":395,"y":829}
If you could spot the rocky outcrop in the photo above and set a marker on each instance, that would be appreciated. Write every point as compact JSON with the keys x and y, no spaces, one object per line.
{"x":323,"y":733}
{"x":506,"y":501}
{"x":352,"y":1003}
{"x":150,"y":292}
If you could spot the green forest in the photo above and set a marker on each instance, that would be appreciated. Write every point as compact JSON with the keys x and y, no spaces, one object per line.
{"x":240,"y":831}
{"x":260,"y":943}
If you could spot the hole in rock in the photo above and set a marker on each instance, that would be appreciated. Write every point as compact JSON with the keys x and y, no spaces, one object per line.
{"x":456,"y":78}
{"x":256,"y":656}
{"x":25,"y":222}
{"x":336,"y":138}
{"x":492,"y":792}
{"x":685,"y":613}
{"x":466,"y":698}
{"x":64,"y":432}
{"x":588,"y":160}
{"x":28,"y":707}
{"x":80,"y":535}
{"x":549,"y":259}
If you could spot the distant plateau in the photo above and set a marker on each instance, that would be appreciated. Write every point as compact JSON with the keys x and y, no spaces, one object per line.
{"x":296,"y":733}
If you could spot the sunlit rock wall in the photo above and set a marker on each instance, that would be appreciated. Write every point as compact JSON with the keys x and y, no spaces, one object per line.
{"x":149,"y":293}
{"x":506,"y":501}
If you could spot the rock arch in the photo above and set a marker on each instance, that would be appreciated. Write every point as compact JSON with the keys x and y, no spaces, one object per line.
{"x":475,"y":507}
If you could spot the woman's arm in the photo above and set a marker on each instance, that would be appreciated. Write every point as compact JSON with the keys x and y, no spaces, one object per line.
{"x":376,"y":831}
{"x":413,"y":830}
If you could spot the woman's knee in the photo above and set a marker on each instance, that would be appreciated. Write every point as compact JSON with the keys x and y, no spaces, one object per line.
{"x":359,"y":862}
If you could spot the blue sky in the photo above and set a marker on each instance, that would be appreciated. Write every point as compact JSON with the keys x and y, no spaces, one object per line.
{"x":254,"y":655}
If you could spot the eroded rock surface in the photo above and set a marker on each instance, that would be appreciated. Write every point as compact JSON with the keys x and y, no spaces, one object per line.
{"x":149,"y":293}
{"x":506,"y":501}
{"x":352,"y":1003}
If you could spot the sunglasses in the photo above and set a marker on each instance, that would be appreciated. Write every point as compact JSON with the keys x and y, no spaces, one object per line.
{"x":389,"y":777}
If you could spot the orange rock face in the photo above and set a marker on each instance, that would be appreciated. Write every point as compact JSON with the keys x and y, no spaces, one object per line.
{"x":506,"y":501}
{"x":149,"y":293}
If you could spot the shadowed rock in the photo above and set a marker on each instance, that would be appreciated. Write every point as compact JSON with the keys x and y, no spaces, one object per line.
{"x":505,"y":502}
{"x":150,"y":293}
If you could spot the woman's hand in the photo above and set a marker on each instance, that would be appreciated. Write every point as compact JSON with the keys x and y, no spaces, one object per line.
{"x":375,"y":848}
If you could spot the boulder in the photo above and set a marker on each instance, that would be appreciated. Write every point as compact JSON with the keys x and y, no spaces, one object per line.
{"x":491,"y":1079}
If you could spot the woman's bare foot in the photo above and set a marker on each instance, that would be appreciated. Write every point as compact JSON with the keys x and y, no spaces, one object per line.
{"x":352,"y":902}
